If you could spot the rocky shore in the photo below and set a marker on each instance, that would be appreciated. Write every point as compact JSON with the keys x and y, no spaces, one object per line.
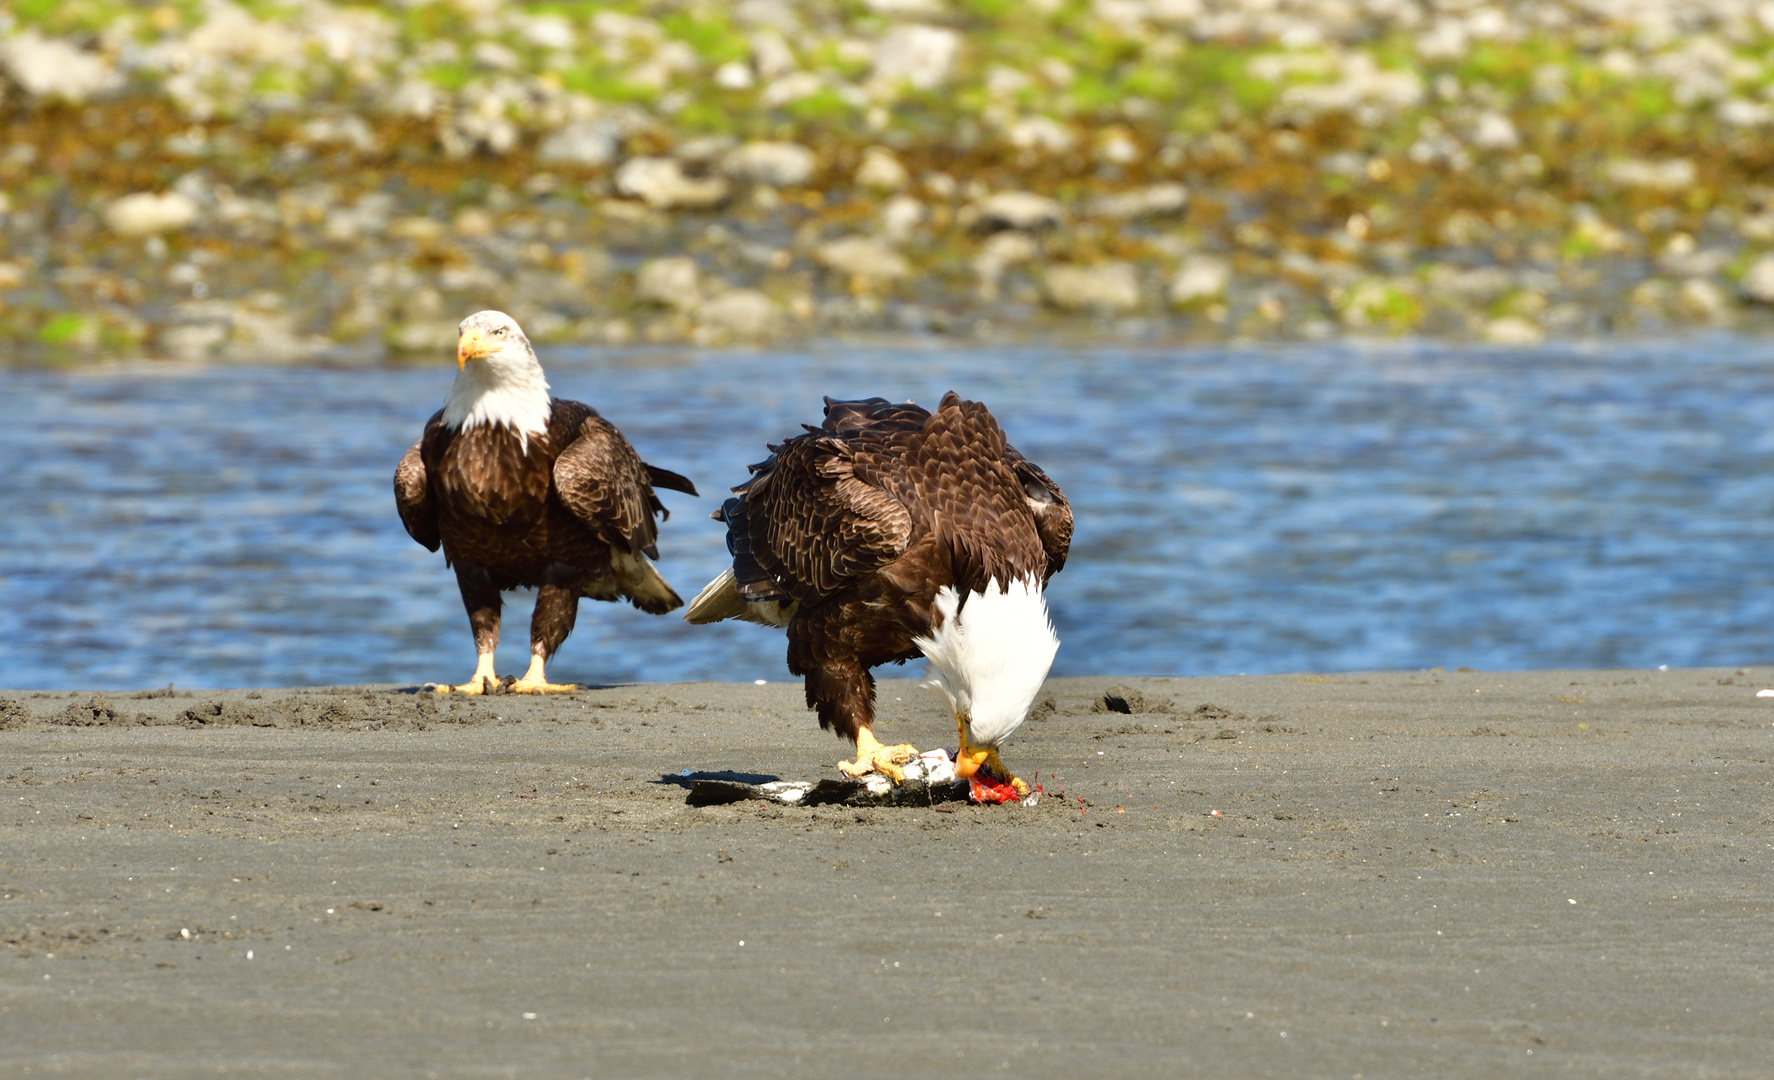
{"x":312,"y":180}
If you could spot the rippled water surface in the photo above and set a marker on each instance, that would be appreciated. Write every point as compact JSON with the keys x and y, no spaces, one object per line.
{"x":1238,"y":510}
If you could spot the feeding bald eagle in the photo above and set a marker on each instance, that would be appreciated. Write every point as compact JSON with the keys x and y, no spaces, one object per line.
{"x":524,"y":490}
{"x":891,"y":532}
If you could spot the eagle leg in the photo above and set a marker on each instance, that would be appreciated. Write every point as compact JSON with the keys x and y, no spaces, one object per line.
{"x":481,"y":597}
{"x":973,"y":761}
{"x":871,"y":756}
{"x":482,"y":682}
{"x":557,"y":606}
{"x":535,"y":682}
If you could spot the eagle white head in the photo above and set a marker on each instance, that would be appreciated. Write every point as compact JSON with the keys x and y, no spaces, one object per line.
{"x":499,"y":381}
{"x":988,"y":658}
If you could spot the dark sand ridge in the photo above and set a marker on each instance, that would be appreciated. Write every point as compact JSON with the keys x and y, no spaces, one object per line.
{"x":1411,"y":874}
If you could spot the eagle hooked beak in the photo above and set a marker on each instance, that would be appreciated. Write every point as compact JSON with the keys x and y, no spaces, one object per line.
{"x":472,"y":345}
{"x":988,"y":781}
{"x":968,"y":759}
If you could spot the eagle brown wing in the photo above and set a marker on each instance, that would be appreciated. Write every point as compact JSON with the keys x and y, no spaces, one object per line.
{"x":807,"y":522}
{"x":412,"y":497}
{"x":601,"y":479}
{"x":1053,"y":513}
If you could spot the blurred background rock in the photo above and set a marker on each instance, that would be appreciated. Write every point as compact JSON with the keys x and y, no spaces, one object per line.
{"x":307,"y":180}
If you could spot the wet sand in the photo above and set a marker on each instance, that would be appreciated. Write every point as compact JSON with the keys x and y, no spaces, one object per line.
{"x":1374,"y":875}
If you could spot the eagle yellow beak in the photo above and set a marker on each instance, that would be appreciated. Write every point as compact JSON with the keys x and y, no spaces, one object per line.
{"x":968,"y":759}
{"x":472,"y":345}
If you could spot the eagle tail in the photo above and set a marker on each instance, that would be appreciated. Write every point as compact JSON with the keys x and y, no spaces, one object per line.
{"x":641,"y":583}
{"x":718,"y":600}
{"x":670,"y":481}
{"x":721,"y":599}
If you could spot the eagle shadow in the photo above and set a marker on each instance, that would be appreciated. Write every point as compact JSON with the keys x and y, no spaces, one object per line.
{"x":688,"y":777}
{"x":425,"y":688}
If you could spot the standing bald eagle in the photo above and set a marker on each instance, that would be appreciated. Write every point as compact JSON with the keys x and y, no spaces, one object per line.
{"x":524,"y":490}
{"x":891,"y":532}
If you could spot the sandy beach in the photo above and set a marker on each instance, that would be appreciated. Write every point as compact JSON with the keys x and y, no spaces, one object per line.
{"x":1370,"y":875}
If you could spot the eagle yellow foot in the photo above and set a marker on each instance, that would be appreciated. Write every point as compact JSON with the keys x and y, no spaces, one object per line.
{"x":475,"y":686}
{"x":483,"y":682}
{"x":871,"y":756}
{"x":525,"y":686}
{"x":534,"y":682}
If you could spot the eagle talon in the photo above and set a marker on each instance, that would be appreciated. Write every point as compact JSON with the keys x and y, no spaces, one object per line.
{"x":483,"y":681}
{"x":525,"y":686}
{"x":535,"y":682}
{"x":871,"y":756}
{"x":472,"y":686}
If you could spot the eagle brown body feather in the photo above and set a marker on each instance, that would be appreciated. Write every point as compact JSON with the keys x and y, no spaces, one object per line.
{"x":850,"y":531}
{"x":569,"y":511}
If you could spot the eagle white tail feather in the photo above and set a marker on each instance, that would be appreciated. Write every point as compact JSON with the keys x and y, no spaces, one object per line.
{"x":720,"y":599}
{"x":642,"y":583}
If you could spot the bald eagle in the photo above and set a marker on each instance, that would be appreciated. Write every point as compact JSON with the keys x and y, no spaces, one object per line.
{"x":891,"y":532}
{"x":525,"y":490}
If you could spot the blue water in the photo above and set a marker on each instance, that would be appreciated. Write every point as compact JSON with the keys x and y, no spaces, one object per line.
{"x":1238,"y":510}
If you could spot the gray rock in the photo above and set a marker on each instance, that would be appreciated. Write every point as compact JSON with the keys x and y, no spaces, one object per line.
{"x":1481,"y":284}
{"x":901,"y":217}
{"x":661,"y":184}
{"x":52,"y":68}
{"x":734,"y":75}
{"x":1494,"y":131}
{"x":349,"y":130}
{"x":779,"y":164}
{"x":1201,"y":277}
{"x":771,"y":56}
{"x":918,"y":56}
{"x":1682,"y":257}
{"x":1001,"y":251}
{"x":864,"y":257}
{"x":1041,"y":133}
{"x":671,"y":282}
{"x":1758,"y":281}
{"x":588,"y":144}
{"x":1699,"y":298}
{"x":145,"y":213}
{"x":881,"y":171}
{"x":704,"y":149}
{"x":745,"y":314}
{"x":229,"y":32}
{"x":1154,"y":201}
{"x":1513,"y":330}
{"x":429,"y":335}
{"x":1108,"y":287}
{"x":1017,"y":210}
{"x":1671,"y":174}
